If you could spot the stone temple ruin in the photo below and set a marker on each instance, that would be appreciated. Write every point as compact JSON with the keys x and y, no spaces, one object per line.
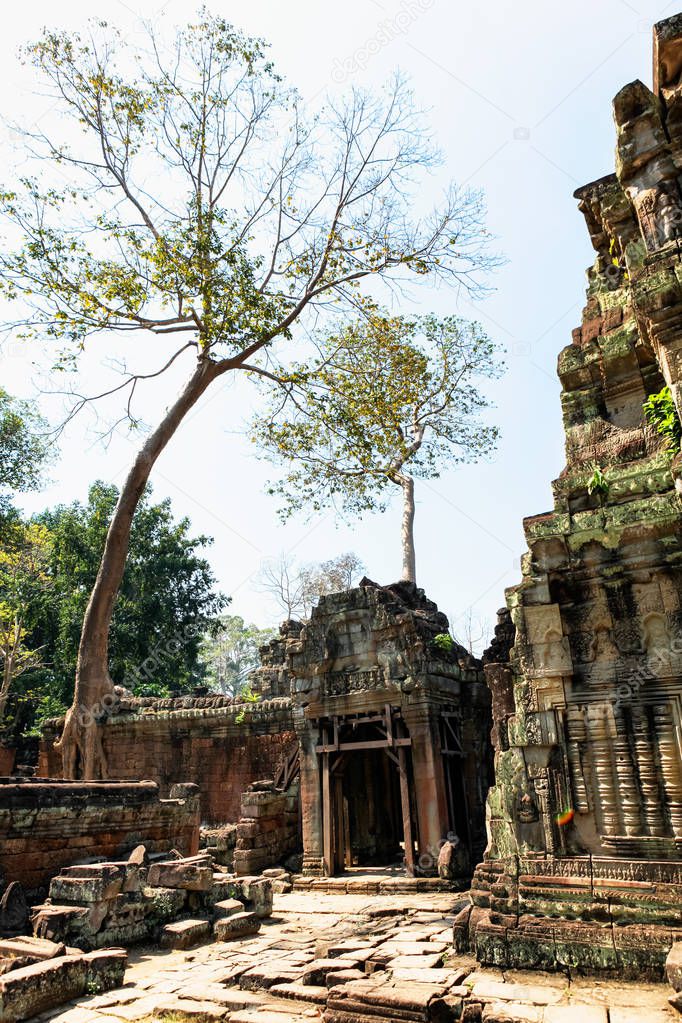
{"x":537,"y":791}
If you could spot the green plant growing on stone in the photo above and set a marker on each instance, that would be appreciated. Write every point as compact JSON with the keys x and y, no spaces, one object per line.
{"x":598,"y":483}
{"x":660,"y":412}
{"x":247,"y":694}
{"x":444,"y":642}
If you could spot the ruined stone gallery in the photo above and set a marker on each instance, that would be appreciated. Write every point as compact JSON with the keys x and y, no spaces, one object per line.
{"x":395,"y":829}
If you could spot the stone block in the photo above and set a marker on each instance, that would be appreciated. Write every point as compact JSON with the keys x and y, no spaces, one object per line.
{"x":38,"y":949}
{"x":80,"y":890}
{"x":510,"y":1012}
{"x":228,"y":907}
{"x":673,"y":966}
{"x":300,"y":992}
{"x":316,"y":972}
{"x":185,"y":934}
{"x":494,"y":991}
{"x":258,"y":893}
{"x":186,"y":874}
{"x":575,"y":1014}
{"x":164,"y":903}
{"x":190,"y":1009}
{"x":128,"y":872}
{"x":43,"y":986}
{"x":239,"y":925}
{"x":336,"y":977}
{"x":268,"y":974}
{"x":231,"y":998}
{"x":416,"y":962}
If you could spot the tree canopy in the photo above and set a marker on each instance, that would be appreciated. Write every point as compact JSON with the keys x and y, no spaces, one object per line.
{"x":166,"y":603}
{"x":230,"y":654}
{"x":386,"y":400}
{"x":297,"y":588}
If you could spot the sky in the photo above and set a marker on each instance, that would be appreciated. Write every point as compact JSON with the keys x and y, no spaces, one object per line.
{"x":519,"y":100}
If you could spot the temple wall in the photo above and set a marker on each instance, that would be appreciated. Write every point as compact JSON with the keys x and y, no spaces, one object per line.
{"x":221,"y":745}
{"x":584,"y":860}
{"x":46,"y":825}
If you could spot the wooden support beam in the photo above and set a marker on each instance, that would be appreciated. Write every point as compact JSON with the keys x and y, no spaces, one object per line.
{"x":369,"y":744}
{"x":327,"y":821}
{"x":339,"y":850}
{"x":348,"y":851}
{"x":407,"y":816}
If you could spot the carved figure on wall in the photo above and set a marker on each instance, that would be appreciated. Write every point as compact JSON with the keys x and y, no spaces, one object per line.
{"x":527,"y":809}
{"x":656,"y":641}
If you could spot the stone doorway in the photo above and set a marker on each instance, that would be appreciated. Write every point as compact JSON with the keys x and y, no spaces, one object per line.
{"x":368,"y":816}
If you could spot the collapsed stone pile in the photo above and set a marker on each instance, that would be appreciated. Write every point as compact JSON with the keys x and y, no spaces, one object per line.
{"x":176,"y":901}
{"x":37,"y":975}
{"x":268,"y":830}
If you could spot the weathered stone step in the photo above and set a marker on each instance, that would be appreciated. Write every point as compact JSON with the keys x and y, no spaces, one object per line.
{"x":301,"y":992}
{"x":227,"y":907}
{"x":183,"y":934}
{"x":238,"y":925}
{"x":30,"y":990}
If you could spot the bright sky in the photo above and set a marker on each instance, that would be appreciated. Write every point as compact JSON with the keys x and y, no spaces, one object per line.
{"x":520,"y":100}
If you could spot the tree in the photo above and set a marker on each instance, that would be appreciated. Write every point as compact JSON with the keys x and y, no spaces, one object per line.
{"x":167,"y":600}
{"x":24,"y":580}
{"x":231,"y":654}
{"x":206,"y":209}
{"x":23,"y":444}
{"x":386,"y":400}
{"x":471,"y":631}
{"x":24,"y":451}
{"x":297,"y":588}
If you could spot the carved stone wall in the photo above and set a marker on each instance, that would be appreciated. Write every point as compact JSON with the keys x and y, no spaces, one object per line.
{"x":222,"y":745}
{"x":584,"y":862}
{"x":393,"y":727}
{"x":46,"y":825}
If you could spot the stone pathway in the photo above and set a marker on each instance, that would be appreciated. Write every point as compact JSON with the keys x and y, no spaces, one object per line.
{"x":356,"y":957}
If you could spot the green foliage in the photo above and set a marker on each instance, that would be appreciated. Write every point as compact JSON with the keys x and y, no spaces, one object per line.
{"x":444,"y":642}
{"x":230,"y":653}
{"x":246,"y":694}
{"x":166,"y":603}
{"x":38,"y":703}
{"x":660,"y":412}
{"x":386,"y":397}
{"x":24,"y":582}
{"x":597,"y":483}
{"x":199,"y":199}
{"x":23,"y":446}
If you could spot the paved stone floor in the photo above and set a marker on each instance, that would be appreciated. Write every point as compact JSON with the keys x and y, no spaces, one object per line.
{"x":286,"y":971}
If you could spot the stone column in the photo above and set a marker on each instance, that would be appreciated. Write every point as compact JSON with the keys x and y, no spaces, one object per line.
{"x":429,"y":783}
{"x":671,"y":766}
{"x":311,"y":803}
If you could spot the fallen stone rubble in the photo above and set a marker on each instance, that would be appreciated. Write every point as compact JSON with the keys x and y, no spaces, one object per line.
{"x":37,"y":975}
{"x":176,"y":902}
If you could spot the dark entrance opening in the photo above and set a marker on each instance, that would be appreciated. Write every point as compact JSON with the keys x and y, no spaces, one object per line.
{"x":368,"y":812}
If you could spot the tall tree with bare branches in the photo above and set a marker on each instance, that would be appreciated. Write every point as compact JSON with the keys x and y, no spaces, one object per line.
{"x":384,"y":401}
{"x":205,"y":206}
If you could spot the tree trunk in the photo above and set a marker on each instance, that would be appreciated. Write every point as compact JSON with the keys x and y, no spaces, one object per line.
{"x":8,"y":669}
{"x":407,"y":532}
{"x":81,"y":741}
